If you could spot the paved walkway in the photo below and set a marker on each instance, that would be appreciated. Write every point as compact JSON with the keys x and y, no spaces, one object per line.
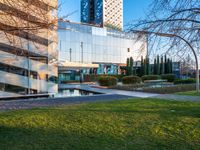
{"x":134,"y":93}
{"x":28,"y":104}
{"x":109,"y":95}
{"x":109,"y":91}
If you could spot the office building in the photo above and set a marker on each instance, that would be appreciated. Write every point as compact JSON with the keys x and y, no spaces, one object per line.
{"x":95,"y":50}
{"x":105,"y":13}
{"x":28,"y":47}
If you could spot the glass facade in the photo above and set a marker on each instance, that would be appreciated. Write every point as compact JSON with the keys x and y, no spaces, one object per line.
{"x":89,"y":44}
{"x":81,"y":46}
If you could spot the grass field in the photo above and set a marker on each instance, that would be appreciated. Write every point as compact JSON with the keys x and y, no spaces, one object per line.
{"x":189,"y":93}
{"x":136,"y":124}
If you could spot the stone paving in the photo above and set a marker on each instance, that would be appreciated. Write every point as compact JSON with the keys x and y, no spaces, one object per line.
{"x":37,"y":103}
{"x":108,"y":95}
{"x":109,"y":91}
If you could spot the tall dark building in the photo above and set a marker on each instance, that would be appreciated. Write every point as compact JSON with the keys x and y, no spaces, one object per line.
{"x":105,"y":13}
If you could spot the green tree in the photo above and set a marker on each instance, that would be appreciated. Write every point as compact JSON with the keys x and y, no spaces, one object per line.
{"x":142,"y":67}
{"x":158,"y":65}
{"x":155,"y":67}
{"x":127,"y":66}
{"x":162,"y":69}
{"x":131,"y":66}
{"x":171,"y":66}
{"x":147,"y":66}
{"x":166,"y":67}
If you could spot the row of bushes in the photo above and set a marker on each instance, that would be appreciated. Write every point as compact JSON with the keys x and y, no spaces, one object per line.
{"x":112,"y":80}
{"x":136,"y":79}
{"x":168,"y":77}
{"x":185,"y":81}
{"x":95,"y":78}
{"x":107,"y":81}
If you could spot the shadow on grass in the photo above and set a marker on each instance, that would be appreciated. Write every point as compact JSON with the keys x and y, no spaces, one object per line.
{"x":122,"y":125}
{"x":163,"y":108}
{"x":13,"y":138}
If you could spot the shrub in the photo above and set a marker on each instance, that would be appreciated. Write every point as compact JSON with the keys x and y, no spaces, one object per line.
{"x":150,"y":77}
{"x":185,"y":81}
{"x":119,"y":77}
{"x":168,"y":77}
{"x":131,"y":80}
{"x":107,"y":81}
{"x":94,"y":78}
{"x":90,"y":78}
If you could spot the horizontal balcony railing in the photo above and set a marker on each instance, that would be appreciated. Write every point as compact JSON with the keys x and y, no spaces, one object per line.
{"x":35,"y":84}
{"x":23,"y":62}
{"x":8,"y":94}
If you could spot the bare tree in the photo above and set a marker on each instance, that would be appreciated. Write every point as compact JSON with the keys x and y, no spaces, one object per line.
{"x":22,"y":21}
{"x":177,"y":19}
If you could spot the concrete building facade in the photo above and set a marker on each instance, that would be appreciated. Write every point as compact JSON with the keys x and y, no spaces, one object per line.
{"x":28,"y":47}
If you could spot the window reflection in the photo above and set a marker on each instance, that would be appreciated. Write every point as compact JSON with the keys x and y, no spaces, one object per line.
{"x":99,"y":45}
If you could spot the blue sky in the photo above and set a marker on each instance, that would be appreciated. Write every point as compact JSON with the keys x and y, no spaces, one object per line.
{"x":133,"y":9}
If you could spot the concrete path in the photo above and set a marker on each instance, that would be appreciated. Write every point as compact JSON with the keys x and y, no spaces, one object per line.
{"x":133,"y":93}
{"x":110,"y":91}
{"x":110,"y":95}
{"x":28,"y":104}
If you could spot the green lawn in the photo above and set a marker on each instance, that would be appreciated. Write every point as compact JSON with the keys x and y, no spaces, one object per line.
{"x":189,"y":93}
{"x":121,"y":125}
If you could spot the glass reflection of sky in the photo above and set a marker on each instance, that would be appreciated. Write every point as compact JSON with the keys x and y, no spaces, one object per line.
{"x":99,"y":45}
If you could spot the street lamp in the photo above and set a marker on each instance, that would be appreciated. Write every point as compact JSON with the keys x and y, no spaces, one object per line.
{"x":70,"y":55}
{"x":174,"y":35}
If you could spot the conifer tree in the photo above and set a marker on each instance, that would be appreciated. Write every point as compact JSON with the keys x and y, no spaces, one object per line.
{"x":162,"y":66}
{"x":127,"y":67}
{"x":158,"y":65}
{"x":147,"y":66}
{"x":155,"y":67}
{"x":142,"y":67}
{"x":166,"y":68}
{"x":131,"y":66}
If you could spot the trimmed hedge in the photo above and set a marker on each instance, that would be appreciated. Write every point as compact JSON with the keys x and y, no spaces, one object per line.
{"x":150,"y":77}
{"x":168,"y":77}
{"x":131,"y":80}
{"x":185,"y":81}
{"x":94,"y":78}
{"x":107,"y":81}
{"x":90,"y":78}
